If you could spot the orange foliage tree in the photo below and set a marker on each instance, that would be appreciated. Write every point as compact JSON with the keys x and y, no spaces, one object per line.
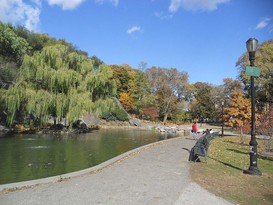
{"x":126,"y":100}
{"x":238,"y":114}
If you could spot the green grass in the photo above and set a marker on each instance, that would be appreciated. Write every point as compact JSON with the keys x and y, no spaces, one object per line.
{"x":223,"y":173}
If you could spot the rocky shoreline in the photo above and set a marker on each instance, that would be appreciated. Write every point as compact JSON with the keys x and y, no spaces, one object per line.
{"x":83,"y":128}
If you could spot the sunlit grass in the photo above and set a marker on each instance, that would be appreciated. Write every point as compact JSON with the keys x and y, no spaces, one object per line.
{"x":223,"y":172}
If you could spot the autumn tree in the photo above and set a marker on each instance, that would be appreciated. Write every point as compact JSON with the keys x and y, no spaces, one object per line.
{"x":126,"y":101}
{"x":168,"y":85}
{"x":124,"y":78}
{"x":150,"y":112}
{"x":238,"y":114}
{"x":132,"y":88}
{"x":121,"y":77}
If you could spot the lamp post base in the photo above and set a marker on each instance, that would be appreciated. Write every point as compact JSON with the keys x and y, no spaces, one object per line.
{"x":253,"y":171}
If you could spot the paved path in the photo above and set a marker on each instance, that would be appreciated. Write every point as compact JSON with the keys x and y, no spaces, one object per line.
{"x":154,"y":174}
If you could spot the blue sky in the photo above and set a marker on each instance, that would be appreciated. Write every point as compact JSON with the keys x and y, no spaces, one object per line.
{"x":204,"y":38}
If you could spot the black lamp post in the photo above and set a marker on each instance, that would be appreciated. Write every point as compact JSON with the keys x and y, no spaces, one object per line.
{"x":251,"y":45}
{"x":222,"y":119}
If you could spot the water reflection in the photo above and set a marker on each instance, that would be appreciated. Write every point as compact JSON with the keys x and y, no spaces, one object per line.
{"x":37,"y":147}
{"x":26,"y":157}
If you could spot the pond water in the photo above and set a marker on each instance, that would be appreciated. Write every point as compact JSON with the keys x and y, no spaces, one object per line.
{"x":33,"y":156}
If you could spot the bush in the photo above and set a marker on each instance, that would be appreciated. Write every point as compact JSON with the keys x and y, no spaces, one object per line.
{"x":115,"y":113}
{"x":121,"y":114}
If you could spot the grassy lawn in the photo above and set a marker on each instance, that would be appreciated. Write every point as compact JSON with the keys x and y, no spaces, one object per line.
{"x":223,"y":173}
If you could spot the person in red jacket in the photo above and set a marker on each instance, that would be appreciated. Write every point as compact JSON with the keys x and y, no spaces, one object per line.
{"x":194,"y":130}
{"x":194,"y":127}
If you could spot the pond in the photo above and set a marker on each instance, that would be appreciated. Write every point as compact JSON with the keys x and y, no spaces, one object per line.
{"x":34,"y":156}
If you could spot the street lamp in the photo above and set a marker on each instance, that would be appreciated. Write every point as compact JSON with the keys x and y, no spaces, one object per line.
{"x":251,"y":46}
{"x":222,"y":119}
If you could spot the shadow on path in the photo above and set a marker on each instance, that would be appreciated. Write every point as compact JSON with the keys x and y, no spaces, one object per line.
{"x":186,"y":149}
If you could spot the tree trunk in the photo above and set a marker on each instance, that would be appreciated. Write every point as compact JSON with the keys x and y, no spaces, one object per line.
{"x":165,"y":118}
{"x":241,"y":135}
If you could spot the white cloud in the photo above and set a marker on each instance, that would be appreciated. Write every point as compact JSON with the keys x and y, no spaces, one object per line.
{"x":205,"y":5}
{"x":66,"y":4}
{"x":114,"y":2}
{"x":28,"y":14}
{"x":163,"y":15}
{"x":33,"y":19}
{"x":133,"y":29}
{"x":18,"y":12}
{"x":263,"y":23}
{"x":37,"y":2}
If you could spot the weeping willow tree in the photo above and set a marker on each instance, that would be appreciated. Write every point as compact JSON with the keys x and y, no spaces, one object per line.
{"x":59,"y":83}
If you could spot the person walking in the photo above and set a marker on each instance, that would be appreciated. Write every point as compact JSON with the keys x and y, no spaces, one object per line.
{"x":194,"y":130}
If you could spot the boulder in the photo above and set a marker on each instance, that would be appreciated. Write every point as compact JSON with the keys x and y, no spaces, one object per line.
{"x":135,"y":122}
{"x":3,"y":130}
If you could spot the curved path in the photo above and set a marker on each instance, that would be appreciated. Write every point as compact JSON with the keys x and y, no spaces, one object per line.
{"x":153,"y":174}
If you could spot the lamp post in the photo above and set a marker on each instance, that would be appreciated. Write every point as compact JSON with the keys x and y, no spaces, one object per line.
{"x":251,"y":45}
{"x":222,"y":119}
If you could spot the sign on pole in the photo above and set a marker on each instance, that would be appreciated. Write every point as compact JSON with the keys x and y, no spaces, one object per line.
{"x":253,"y":71}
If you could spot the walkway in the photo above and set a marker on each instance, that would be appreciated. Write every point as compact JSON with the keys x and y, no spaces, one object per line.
{"x":154,"y":174}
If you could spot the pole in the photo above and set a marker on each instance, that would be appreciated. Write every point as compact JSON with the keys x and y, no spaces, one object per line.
{"x":253,"y":168}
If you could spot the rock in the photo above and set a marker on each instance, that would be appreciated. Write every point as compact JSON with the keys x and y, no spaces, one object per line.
{"x":91,"y":120}
{"x":79,"y":124}
{"x":172,"y":130}
{"x":135,"y":122}
{"x":57,"y":127}
{"x":3,"y":130}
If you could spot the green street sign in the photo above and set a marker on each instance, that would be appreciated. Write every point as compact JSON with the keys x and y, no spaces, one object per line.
{"x":253,"y":71}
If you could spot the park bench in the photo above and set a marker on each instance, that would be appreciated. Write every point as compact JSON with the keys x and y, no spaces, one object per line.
{"x":201,"y":147}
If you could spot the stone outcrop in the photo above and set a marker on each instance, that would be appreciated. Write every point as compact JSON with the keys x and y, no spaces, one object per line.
{"x":174,"y":129}
{"x":3,"y":130}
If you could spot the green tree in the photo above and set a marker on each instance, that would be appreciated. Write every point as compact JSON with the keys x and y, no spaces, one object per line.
{"x":12,"y":50}
{"x":168,"y":85}
{"x":142,"y":93}
{"x":230,"y":86}
{"x":263,"y":84}
{"x":8,"y":72}
{"x":12,"y":47}
{"x":59,"y":83}
{"x":97,"y":61}
{"x":202,"y":106}
{"x":36,"y":41}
